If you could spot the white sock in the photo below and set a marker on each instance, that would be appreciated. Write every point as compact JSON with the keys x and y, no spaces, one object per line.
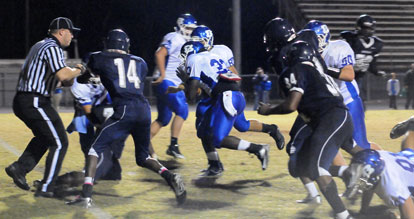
{"x":243,"y":145}
{"x":342,"y":215}
{"x":88,"y":180}
{"x":311,"y":188}
{"x":341,"y":170}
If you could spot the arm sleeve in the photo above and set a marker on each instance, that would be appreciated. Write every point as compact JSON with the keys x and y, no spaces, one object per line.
{"x":194,"y":67}
{"x":82,"y":94}
{"x":55,"y":59}
{"x":167,"y":42}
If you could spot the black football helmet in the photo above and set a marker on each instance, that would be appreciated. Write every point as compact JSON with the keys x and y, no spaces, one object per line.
{"x":300,"y":51}
{"x":117,"y":39}
{"x":277,"y":33}
{"x":365,"y":25}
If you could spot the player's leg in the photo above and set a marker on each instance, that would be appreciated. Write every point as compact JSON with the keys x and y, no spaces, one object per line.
{"x":178,"y":104}
{"x":243,"y":125}
{"x":164,"y":113}
{"x":115,"y":128}
{"x":333,"y":130}
{"x":141,"y":135}
{"x":402,"y":128}
{"x":223,"y":117}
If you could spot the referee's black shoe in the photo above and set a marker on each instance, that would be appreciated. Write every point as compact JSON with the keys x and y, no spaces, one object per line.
{"x":18,"y":178}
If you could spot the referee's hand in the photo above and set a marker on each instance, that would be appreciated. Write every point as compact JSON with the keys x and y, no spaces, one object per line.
{"x":81,"y":67}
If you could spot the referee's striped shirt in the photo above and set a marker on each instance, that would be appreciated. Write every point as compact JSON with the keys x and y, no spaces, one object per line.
{"x":45,"y":58}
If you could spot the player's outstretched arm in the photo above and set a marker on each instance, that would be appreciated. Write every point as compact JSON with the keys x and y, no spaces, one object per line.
{"x":366,"y":200}
{"x":288,"y":106}
{"x":407,"y":209}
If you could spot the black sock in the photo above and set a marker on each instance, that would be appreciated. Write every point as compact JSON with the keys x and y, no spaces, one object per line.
{"x":166,"y":174}
{"x":174,"y":141}
{"x":253,"y":148}
{"x":87,"y":190}
{"x":266,"y":128}
{"x":334,"y":170}
{"x":331,"y":195}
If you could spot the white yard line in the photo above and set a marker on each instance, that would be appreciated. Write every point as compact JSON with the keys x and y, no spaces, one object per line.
{"x":95,"y":210}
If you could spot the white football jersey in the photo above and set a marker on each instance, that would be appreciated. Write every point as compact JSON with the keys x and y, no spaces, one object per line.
{"x":339,"y":54}
{"x":86,"y":94}
{"x":206,"y":67}
{"x":397,"y":180}
{"x":172,"y":42}
{"x":225,"y":53}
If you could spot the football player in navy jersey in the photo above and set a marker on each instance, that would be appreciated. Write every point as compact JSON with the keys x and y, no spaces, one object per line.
{"x":315,"y":96}
{"x":123,"y":75}
{"x":366,"y":47}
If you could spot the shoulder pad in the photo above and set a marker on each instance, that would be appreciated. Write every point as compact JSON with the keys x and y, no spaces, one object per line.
{"x":377,"y":39}
{"x":347,"y":34}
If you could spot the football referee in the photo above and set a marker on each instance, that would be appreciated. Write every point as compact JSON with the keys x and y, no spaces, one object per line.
{"x":43,"y":68}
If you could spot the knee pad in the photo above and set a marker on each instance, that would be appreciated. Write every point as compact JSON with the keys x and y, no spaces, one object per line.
{"x":164,"y":119}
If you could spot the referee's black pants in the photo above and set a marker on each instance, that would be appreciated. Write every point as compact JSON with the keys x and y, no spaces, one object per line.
{"x":37,"y":113}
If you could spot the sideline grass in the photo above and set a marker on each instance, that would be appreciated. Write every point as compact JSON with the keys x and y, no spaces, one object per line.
{"x":244,"y":190}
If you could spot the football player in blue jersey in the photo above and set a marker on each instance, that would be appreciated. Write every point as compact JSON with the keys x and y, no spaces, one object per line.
{"x":205,"y":35}
{"x":217,"y":114}
{"x":314,"y":95}
{"x":167,"y":59}
{"x":387,"y":174}
{"x":123,"y":75}
{"x":366,"y":47}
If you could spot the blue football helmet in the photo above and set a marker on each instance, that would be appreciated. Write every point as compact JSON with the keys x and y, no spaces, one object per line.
{"x":277,"y":33}
{"x":117,"y":39}
{"x":298,"y":52}
{"x":322,"y":31}
{"x":189,"y":48}
{"x":186,"y":23}
{"x":205,"y":35}
{"x":366,"y":168}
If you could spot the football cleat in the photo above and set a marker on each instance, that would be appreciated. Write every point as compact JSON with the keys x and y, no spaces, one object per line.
{"x":85,"y":202}
{"x":40,"y":193}
{"x":310,"y":200}
{"x":17,"y":177}
{"x":213,"y":171}
{"x":263,"y":156}
{"x":402,"y":128}
{"x":177,"y":185}
{"x":174,"y":151}
{"x":277,"y":136}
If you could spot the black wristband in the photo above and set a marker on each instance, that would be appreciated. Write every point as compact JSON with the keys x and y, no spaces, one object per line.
{"x":334,"y":72}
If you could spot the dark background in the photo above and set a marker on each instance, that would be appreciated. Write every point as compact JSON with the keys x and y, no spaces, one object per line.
{"x":145,"y":21}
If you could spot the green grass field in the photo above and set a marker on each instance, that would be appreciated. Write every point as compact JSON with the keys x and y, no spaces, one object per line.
{"x":244,"y":190}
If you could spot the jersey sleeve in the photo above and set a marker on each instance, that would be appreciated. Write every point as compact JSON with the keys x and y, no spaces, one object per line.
{"x":143,"y":70}
{"x":193,"y":67}
{"x":167,"y":42}
{"x":82,"y":94}
{"x":54,"y":58}
{"x":228,"y":55}
{"x":346,"y":55}
{"x":292,"y":80}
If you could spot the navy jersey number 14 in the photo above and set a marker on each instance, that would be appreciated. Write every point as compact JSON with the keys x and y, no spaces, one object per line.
{"x":131,"y":74}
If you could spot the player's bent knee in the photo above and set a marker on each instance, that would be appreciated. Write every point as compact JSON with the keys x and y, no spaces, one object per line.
{"x":182,"y":112}
{"x":164,"y":120}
